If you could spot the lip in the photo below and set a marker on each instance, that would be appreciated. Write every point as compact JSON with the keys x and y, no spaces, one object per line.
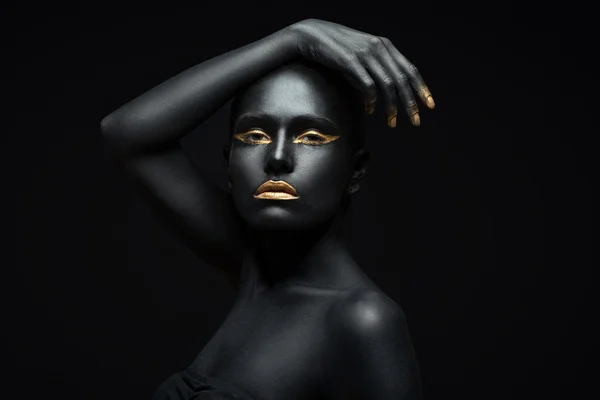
{"x":276,"y":190}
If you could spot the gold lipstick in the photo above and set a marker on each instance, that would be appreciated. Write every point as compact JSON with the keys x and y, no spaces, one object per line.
{"x":276,"y":190}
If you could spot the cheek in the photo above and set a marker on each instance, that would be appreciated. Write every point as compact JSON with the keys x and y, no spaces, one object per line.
{"x":245,"y":167}
{"x":323,"y":174}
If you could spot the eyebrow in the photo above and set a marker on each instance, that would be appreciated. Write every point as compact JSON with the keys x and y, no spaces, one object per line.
{"x":299,"y":121}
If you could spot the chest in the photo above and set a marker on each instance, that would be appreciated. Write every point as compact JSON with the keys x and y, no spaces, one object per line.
{"x":274,"y":346}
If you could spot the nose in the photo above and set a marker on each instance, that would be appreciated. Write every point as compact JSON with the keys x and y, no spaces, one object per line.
{"x":279,"y":159}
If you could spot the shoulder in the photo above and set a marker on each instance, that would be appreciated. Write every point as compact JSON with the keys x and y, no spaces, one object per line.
{"x":373,"y":350}
{"x":367,"y":314}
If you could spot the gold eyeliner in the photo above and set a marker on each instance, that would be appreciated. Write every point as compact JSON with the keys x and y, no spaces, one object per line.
{"x":326,"y":138}
{"x":242,"y":137}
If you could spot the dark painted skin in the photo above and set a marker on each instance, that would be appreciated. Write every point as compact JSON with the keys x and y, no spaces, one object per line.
{"x":307,"y":322}
{"x":284,"y":105}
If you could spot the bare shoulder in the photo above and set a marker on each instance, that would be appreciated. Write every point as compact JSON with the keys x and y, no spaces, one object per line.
{"x":367,"y":313}
{"x":372,"y":353}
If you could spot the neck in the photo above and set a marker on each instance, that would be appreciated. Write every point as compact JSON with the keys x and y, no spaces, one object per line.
{"x":310,"y":257}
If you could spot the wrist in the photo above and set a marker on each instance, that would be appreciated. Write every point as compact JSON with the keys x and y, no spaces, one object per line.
{"x":288,"y":40}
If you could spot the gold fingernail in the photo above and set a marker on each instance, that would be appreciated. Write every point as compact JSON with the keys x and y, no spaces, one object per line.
{"x":427,"y":96}
{"x":430,"y":102}
{"x":413,"y":111}
{"x":392,"y":114}
{"x":416,"y":120}
{"x":392,"y":121}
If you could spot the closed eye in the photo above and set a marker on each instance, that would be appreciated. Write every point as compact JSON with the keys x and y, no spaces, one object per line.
{"x":253,"y":136}
{"x":315,"y":138}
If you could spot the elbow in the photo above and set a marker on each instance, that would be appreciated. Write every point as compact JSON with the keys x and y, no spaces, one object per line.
{"x":112,"y":132}
{"x":107,"y":126}
{"x":104,"y":124}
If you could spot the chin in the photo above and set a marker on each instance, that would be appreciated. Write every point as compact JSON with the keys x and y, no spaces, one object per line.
{"x":279,"y":217}
{"x":273,"y":218}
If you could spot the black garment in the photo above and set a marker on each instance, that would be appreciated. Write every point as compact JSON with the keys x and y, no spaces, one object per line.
{"x":187,"y":385}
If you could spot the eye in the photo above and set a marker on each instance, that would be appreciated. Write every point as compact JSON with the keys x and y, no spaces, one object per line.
{"x":254,"y":136}
{"x":313,"y":137}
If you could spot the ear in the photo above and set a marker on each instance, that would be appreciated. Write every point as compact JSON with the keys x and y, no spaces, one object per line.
{"x":360,"y":165}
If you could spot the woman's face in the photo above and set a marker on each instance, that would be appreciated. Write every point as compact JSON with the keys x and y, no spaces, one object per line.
{"x":289,"y":127}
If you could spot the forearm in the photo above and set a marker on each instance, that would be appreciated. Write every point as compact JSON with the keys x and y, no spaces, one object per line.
{"x":172,"y":109}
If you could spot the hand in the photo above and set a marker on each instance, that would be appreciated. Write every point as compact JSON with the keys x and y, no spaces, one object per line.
{"x":369,"y":62}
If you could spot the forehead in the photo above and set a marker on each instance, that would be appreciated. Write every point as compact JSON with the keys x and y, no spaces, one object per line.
{"x":289,"y":93}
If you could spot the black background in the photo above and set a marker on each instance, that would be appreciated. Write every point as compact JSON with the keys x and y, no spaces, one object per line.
{"x":487,"y":244}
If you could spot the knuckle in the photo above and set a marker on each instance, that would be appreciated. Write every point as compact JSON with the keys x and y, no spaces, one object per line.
{"x":369,"y":84}
{"x":412,"y":69}
{"x":374,"y":41}
{"x":363,"y":51}
{"x":370,"y":87}
{"x":388,"y":82}
{"x":403,"y":78}
{"x":351,"y":61}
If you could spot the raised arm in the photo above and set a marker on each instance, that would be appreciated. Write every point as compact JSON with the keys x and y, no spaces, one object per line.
{"x":145,"y":134}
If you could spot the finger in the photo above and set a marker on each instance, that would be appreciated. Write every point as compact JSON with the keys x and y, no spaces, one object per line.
{"x":386,"y":85}
{"x":413,"y":74}
{"x":360,"y":78}
{"x":356,"y":73}
{"x":401,"y":84}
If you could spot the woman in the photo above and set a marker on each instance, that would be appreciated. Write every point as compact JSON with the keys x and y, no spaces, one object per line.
{"x":307,"y":323}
